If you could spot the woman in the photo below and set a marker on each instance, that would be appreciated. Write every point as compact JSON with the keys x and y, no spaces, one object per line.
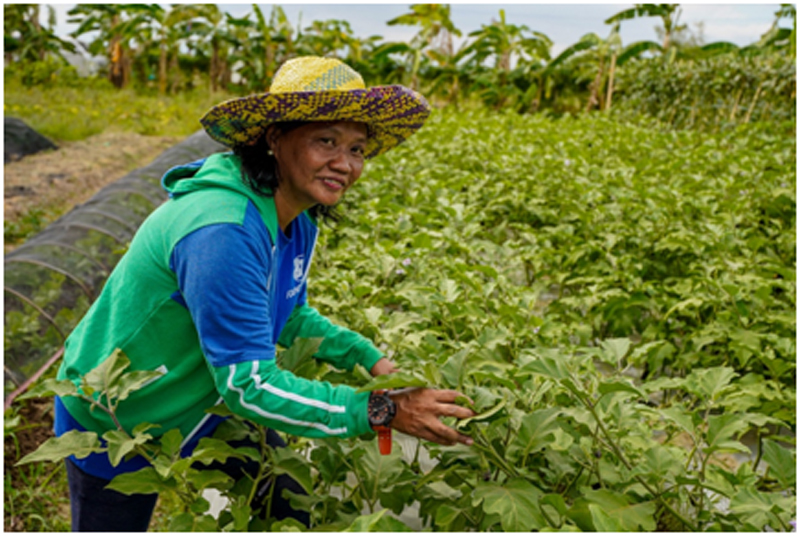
{"x":217,"y":276}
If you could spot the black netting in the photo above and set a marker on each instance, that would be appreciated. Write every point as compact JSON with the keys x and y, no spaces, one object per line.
{"x":52,"y":279}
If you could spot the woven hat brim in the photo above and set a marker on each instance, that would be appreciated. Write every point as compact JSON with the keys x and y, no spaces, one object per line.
{"x":392,"y":113}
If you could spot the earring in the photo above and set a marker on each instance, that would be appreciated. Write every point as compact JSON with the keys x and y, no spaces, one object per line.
{"x":269,"y":152}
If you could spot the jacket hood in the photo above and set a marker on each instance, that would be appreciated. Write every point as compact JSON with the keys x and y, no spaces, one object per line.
{"x":217,"y":171}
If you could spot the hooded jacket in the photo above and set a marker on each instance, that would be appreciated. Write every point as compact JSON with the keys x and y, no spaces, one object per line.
{"x":209,"y":286}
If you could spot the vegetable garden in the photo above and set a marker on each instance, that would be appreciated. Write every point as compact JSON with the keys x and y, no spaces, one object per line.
{"x":615,"y":292}
{"x":618,"y":301}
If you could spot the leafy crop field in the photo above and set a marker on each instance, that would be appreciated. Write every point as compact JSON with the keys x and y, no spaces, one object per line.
{"x":618,"y":302}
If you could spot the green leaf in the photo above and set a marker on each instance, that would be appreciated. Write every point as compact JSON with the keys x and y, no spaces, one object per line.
{"x":616,"y":386}
{"x":548,"y":366}
{"x":617,"y":507}
{"x":200,"y":506}
{"x":615,"y":349}
{"x":379,"y":521}
{"x":171,"y":442}
{"x":377,"y":472}
{"x":721,"y":428}
{"x":50,"y":387}
{"x":189,"y":522}
{"x":132,"y":381}
{"x":103,"y":378}
{"x":79,"y":444}
{"x":120,"y":444}
{"x":210,"y":450}
{"x":556,"y":501}
{"x":754,"y":507}
{"x":220,"y":409}
{"x":679,"y":416}
{"x":709,"y":383}
{"x":241,"y":513}
{"x":398,"y":380}
{"x":209,"y":478}
{"x":288,"y":524}
{"x":536,"y":432}
{"x":144,"y":481}
{"x":604,"y":522}
{"x":515,"y":501}
{"x":289,"y":462}
{"x":299,"y":358}
{"x":453,"y":369}
{"x":781,"y":463}
{"x":446,"y":515}
{"x":482,"y":416}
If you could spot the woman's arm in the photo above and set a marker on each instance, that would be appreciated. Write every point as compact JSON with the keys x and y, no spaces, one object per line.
{"x":341,"y":347}
{"x":222,"y":278}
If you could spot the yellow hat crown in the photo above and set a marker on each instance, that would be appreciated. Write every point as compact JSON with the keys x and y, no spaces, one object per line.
{"x":313,"y":73}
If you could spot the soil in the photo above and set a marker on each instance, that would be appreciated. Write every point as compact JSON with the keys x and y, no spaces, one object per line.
{"x":54,"y":181}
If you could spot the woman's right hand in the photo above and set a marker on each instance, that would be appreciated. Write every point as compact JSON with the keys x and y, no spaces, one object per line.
{"x":418,"y":412}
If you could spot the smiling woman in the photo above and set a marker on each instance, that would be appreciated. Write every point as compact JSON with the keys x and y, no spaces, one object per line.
{"x":216,"y":278}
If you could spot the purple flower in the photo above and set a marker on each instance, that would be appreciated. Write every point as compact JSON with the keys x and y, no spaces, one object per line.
{"x":400,"y":271}
{"x":406,"y":262}
{"x":793,"y":523}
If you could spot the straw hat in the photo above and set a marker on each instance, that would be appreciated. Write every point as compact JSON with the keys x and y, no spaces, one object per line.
{"x":321,"y":89}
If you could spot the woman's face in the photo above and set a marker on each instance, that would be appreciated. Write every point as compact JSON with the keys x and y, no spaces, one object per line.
{"x":318,"y":162}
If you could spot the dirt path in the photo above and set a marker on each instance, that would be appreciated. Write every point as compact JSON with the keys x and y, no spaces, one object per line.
{"x":41,"y":187}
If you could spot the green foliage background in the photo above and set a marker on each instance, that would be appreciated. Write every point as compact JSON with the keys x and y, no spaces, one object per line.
{"x":615,"y":291}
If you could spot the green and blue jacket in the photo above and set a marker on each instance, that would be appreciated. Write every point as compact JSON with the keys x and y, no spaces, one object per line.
{"x":208,"y":288}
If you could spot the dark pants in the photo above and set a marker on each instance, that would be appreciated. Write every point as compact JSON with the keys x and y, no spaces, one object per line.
{"x":95,"y":509}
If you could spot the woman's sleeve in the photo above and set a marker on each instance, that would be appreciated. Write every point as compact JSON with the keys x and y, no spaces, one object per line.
{"x":222,"y":276}
{"x":341,"y":347}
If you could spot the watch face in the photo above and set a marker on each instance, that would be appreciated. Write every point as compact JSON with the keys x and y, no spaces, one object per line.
{"x":381,"y":409}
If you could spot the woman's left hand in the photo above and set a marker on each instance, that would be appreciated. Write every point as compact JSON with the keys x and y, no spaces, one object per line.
{"x":383,"y":366}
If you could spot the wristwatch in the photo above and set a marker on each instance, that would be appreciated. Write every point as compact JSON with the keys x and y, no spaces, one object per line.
{"x":380,"y":411}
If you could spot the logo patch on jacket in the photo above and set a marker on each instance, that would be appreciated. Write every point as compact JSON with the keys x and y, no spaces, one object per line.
{"x":298,"y":268}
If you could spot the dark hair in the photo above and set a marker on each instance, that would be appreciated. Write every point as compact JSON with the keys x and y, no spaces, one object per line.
{"x":259,"y":170}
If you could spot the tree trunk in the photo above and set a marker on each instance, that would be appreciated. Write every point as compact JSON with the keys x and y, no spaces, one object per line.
{"x":215,"y":66}
{"x":610,"y":93}
{"x":175,"y":72}
{"x":115,"y":56}
{"x":162,"y":67}
{"x":594,"y":95}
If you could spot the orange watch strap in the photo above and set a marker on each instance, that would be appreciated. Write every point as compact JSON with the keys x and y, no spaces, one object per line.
{"x":384,"y":439}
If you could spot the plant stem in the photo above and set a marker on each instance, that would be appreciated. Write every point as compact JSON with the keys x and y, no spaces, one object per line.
{"x":758,"y":450}
{"x":586,"y":402}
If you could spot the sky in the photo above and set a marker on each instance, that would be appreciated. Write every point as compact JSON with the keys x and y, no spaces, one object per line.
{"x":565,"y":24}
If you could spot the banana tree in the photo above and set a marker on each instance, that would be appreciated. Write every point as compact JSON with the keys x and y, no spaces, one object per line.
{"x":153,"y":27}
{"x":105,"y":19}
{"x":326,"y":38}
{"x":503,"y":42}
{"x":209,"y":34}
{"x":668,"y":13}
{"x":434,"y":37}
{"x":262,"y":46}
{"x":25,"y":39}
{"x":781,"y":38}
